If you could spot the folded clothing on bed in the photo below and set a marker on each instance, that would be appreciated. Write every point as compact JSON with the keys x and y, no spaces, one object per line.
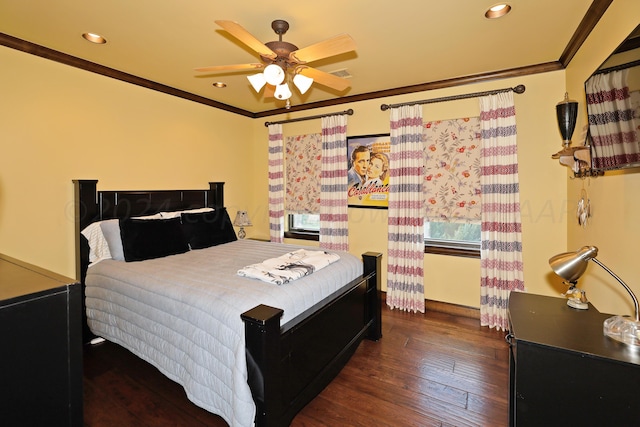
{"x":290,"y":266}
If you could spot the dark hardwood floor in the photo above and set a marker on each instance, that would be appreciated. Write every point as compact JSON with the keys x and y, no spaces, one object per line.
{"x":436,"y":369}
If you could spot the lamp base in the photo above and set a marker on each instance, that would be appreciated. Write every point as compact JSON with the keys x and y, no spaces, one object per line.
{"x":623,"y":329}
{"x":241,"y":233}
{"x":576,"y":303}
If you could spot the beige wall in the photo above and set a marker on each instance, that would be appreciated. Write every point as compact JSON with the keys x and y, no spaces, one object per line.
{"x":615,"y":226}
{"x":58,"y":123}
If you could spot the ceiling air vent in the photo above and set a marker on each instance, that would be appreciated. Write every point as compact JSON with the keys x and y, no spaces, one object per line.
{"x":342,"y":73}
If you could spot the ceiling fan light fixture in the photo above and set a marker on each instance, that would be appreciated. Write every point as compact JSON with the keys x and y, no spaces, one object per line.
{"x":257,"y":81}
{"x":273,"y":74}
{"x":282,"y":91}
{"x":303,"y":83}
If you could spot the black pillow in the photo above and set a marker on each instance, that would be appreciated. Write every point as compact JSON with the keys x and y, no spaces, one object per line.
{"x":151,"y":238}
{"x":205,"y":229}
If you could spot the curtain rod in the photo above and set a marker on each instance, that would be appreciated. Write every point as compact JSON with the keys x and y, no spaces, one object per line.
{"x":348,"y":112}
{"x":517,"y":89}
{"x":617,"y":67}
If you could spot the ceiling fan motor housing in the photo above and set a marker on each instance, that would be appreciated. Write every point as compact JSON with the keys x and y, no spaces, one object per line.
{"x":280,"y":48}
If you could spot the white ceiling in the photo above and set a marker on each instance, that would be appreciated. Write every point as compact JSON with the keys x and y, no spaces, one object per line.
{"x":399,"y":42}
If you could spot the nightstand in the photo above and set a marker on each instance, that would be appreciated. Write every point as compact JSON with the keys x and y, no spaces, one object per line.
{"x":564,"y":370}
{"x":41,"y":356}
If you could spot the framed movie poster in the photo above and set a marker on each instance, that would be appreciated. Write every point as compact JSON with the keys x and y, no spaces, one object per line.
{"x":368,"y":171}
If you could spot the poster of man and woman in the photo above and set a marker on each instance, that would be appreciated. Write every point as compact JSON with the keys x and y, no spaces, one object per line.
{"x":368,"y":172}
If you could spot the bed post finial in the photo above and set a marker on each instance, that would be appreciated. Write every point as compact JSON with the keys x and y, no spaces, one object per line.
{"x":216,"y":195}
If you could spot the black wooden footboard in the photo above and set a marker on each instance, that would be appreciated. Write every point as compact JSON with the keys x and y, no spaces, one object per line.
{"x":290,"y":365}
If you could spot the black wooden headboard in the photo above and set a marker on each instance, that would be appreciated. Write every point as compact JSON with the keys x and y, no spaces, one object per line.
{"x":92,"y":205}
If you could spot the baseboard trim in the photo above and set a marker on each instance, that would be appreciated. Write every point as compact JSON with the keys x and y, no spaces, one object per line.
{"x":447,"y":308}
{"x":453,"y":309}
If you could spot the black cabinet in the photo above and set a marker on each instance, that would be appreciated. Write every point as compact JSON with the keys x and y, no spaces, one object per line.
{"x":564,"y":370}
{"x":41,"y":354}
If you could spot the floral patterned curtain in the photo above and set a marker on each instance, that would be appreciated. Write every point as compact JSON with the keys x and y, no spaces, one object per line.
{"x":611,"y":120}
{"x":276,"y":184}
{"x":405,"y":275}
{"x":452,"y":170}
{"x":501,"y":235}
{"x":304,"y":166}
{"x":334,"y":224}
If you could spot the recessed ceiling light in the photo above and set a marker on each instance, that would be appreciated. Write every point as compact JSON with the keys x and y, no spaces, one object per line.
{"x":94,"y":38}
{"x":219,"y":84}
{"x":497,"y":11}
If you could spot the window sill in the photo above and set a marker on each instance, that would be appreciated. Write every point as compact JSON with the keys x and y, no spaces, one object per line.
{"x":302,"y":235}
{"x":461,"y":252}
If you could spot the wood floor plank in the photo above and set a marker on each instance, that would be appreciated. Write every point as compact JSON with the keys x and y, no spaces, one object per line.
{"x":432,"y":369}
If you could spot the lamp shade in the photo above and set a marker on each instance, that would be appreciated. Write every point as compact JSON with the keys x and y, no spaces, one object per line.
{"x":567,"y":113}
{"x":303,"y":83}
{"x":242,"y":219}
{"x":571,"y":265}
{"x":257,"y":81}
{"x":273,"y":74}
{"x":283,"y":91}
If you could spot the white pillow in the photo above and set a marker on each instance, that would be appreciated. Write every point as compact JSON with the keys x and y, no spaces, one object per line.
{"x":98,"y":247}
{"x":107,"y":244}
{"x":111,"y":231}
{"x":154,"y":216}
{"x":175,"y":214}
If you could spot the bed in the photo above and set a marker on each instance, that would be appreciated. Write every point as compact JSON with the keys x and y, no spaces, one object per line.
{"x":277,"y":346}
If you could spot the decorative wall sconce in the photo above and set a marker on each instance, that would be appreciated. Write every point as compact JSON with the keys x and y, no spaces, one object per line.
{"x":567,"y":113}
{"x":578,"y":158}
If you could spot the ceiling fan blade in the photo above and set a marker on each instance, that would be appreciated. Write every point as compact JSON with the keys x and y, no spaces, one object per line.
{"x":325,"y":79}
{"x":237,"y":31}
{"x":231,"y":67}
{"x":269,"y":91}
{"x":324,"y":49}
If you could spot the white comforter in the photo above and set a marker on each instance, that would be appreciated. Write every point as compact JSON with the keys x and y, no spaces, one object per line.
{"x":182,"y":314}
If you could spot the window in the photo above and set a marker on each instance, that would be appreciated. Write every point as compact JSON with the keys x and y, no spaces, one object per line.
{"x":452,"y":187}
{"x":303,"y":226}
{"x":451,"y":238}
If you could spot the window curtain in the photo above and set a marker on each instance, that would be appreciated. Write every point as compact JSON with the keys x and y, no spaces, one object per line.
{"x":333,"y":183}
{"x":501,"y":235}
{"x":303,"y":166}
{"x":611,"y":120}
{"x":405,"y":275}
{"x":276,"y":184}
{"x":452,"y":170}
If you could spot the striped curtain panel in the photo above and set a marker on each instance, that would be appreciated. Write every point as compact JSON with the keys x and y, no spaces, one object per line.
{"x":611,"y":120}
{"x":405,"y":275}
{"x":501,"y":235}
{"x":333,"y":184}
{"x":276,"y":184}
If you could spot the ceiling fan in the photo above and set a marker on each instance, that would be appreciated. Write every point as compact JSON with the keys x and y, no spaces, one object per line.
{"x":283,"y":61}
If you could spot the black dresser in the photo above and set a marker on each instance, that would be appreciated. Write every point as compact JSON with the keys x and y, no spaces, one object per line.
{"x":564,"y":371}
{"x":41,"y":349}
